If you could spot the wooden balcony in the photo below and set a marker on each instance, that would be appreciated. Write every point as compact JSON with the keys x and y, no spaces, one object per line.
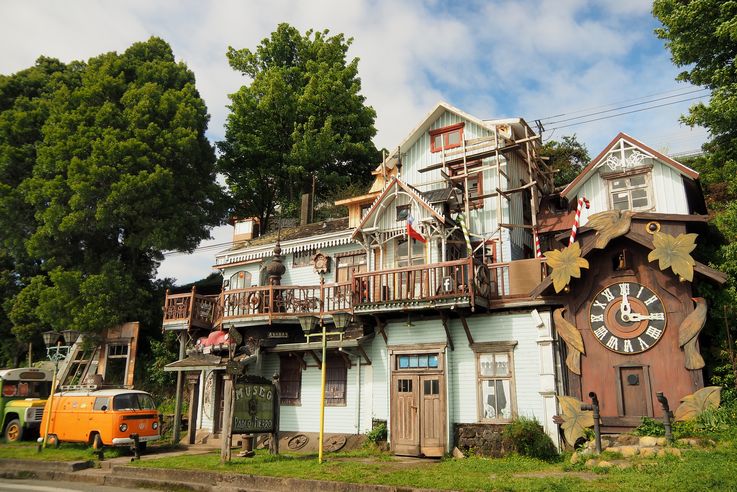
{"x":459,"y":283}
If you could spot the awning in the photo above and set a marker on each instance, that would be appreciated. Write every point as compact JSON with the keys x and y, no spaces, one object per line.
{"x":201,"y":362}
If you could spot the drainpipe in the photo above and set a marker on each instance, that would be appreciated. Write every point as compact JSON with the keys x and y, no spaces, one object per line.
{"x":178,"y":403}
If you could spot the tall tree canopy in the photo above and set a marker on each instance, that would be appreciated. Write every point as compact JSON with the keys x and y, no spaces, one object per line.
{"x":702,"y":38}
{"x":568,"y":156}
{"x":302,"y":117}
{"x":108,"y":165}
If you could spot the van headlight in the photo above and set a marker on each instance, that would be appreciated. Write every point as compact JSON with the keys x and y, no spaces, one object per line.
{"x":123,"y":427}
{"x":155,"y":425}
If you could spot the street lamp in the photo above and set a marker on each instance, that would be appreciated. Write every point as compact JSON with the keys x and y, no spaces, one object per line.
{"x":56,"y":352}
{"x":308,"y":323}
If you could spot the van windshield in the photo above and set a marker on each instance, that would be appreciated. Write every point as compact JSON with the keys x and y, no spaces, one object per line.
{"x":133,"y":401}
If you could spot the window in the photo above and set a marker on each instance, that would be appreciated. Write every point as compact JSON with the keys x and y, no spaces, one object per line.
{"x":303,"y":258}
{"x":364,"y":209}
{"x":240,"y":280}
{"x":133,"y":401}
{"x":417,"y":361}
{"x":446,"y":138}
{"x":495,"y":379}
{"x":117,"y":350}
{"x":336,"y":377}
{"x":101,"y":402}
{"x":290,"y":379}
{"x":402,"y":212}
{"x":475,"y":181}
{"x":347,"y":265}
{"x":630,"y":192}
{"x":410,"y":255}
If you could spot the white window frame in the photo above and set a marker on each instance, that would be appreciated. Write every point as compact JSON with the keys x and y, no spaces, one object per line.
{"x":629,"y":188}
{"x":494,"y":348}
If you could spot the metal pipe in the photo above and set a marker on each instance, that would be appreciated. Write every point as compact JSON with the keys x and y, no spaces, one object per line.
{"x":597,"y":427}
{"x":322,"y":390}
{"x":667,"y":416}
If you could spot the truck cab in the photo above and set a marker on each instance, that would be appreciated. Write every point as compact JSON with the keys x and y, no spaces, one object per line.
{"x":23,"y":393}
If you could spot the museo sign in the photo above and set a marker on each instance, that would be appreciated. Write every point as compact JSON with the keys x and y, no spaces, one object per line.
{"x":253,"y":408}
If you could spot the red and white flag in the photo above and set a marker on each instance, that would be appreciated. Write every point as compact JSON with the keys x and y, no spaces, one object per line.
{"x":412,"y":232}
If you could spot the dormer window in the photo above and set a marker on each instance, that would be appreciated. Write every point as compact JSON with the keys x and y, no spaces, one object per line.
{"x":402,"y":212}
{"x":630,"y":192}
{"x":446,"y":138}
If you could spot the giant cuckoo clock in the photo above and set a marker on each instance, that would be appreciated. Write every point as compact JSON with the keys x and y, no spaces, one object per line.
{"x":629,"y":323}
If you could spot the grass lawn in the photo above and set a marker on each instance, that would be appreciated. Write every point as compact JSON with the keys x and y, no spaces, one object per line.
{"x":698,"y":470}
{"x":65,"y":452}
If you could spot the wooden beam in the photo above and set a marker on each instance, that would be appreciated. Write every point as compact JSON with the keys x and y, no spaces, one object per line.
{"x":381,"y":325}
{"x":346,"y":359}
{"x":317,"y":359}
{"x":444,"y":320}
{"x":467,"y":330}
{"x":521,"y":188}
{"x":511,"y":226}
{"x":301,"y":359}
{"x":365,"y":355}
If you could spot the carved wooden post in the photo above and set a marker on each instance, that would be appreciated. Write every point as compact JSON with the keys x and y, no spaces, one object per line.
{"x":274,"y":441}
{"x":178,"y":402}
{"x":194,"y":389}
{"x":225,"y":451}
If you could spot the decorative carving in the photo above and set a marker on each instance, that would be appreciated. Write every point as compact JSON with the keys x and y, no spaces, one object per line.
{"x":674,"y":252}
{"x":481,"y":281}
{"x":209,"y":395}
{"x":693,"y":405}
{"x":575,"y":420}
{"x":573,"y":339}
{"x":334,"y":443}
{"x":631,"y":161}
{"x":565,"y":263}
{"x":297,"y":442}
{"x":688,"y":334}
{"x":609,"y":225}
{"x":321,"y":263}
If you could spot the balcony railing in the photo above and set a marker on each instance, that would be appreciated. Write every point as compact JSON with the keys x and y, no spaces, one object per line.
{"x":453,"y":283}
{"x":435,"y":282}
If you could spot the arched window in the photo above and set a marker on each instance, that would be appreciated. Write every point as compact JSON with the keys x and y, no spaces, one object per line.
{"x":240,"y":280}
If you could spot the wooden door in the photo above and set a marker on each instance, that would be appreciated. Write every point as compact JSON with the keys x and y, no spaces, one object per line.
{"x":217,"y":425}
{"x":432,"y":419}
{"x":405,"y":418}
{"x":634,"y":390}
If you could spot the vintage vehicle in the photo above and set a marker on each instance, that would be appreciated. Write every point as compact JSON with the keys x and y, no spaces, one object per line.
{"x":23,"y":394}
{"x":108,"y":417}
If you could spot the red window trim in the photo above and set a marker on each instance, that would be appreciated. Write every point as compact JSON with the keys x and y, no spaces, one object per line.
{"x":443,"y":131}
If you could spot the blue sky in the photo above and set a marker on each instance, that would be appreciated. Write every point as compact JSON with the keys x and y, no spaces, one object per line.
{"x":492,"y":59}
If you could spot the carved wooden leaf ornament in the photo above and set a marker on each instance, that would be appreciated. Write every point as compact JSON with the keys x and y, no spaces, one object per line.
{"x":693,"y":405}
{"x":675,"y":253}
{"x":565,"y":263}
{"x":609,"y":225}
{"x":688,"y":334}
{"x":574,"y":342}
{"x":575,"y":420}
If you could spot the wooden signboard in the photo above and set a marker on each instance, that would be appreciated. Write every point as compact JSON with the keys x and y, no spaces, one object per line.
{"x":253,"y":408}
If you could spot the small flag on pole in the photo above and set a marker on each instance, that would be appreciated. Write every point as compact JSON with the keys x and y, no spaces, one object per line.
{"x":411,"y":232}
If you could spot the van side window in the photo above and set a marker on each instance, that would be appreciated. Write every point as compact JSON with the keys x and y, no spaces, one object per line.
{"x":101,"y":402}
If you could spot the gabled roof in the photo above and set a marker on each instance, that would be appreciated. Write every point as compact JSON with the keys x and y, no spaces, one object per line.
{"x":414,"y":194}
{"x":593,"y":165}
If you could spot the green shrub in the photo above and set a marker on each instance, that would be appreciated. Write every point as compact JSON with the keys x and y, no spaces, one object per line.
{"x":650,"y":427}
{"x":526,"y":437}
{"x":378,"y":433}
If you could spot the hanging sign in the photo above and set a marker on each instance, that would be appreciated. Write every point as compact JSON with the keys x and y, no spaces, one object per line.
{"x":253,"y":408}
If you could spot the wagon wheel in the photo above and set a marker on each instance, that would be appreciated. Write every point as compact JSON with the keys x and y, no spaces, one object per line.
{"x":255,"y":301}
{"x":481,"y":280}
{"x":334,"y":443}
{"x":297,"y":442}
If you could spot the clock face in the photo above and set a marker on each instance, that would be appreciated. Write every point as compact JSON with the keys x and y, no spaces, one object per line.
{"x":627,"y":318}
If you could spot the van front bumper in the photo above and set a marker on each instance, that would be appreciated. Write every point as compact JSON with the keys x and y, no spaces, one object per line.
{"x":120,"y":441}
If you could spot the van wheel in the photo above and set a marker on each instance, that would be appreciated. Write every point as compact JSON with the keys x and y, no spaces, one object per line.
{"x":97,"y":442}
{"x":53,"y":441}
{"x":13,"y":431}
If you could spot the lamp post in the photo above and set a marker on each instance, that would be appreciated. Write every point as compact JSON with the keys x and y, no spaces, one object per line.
{"x":308,"y":323}
{"x":56,"y":352}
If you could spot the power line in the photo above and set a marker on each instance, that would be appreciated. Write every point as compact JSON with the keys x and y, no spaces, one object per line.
{"x":624,"y":113}
{"x":624,"y":107}
{"x":591,"y":108}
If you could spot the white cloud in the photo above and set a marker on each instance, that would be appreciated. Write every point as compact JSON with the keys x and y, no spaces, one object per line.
{"x":492,"y":59}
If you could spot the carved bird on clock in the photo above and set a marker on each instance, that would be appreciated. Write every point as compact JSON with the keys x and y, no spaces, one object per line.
{"x":609,"y":225}
{"x":688,"y":334}
{"x":574,"y":342}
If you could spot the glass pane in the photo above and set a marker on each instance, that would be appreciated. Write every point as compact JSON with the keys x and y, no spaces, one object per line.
{"x":432,"y":361}
{"x":402,"y":212}
{"x":486,"y":363}
{"x":502,"y":364}
{"x":413,"y":361}
{"x":638,"y":180}
{"x":639,"y":203}
{"x":438,"y":141}
{"x":435,"y":387}
{"x":496,"y":399}
{"x":402,"y":249}
{"x":639,"y":193}
{"x":422,"y":361}
{"x":454,"y":137}
{"x":403,"y":361}
{"x":427,"y":388}
{"x":619,"y":184}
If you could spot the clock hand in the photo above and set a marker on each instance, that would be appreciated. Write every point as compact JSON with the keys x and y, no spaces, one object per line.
{"x":625,"y":309}
{"x":642,"y":317}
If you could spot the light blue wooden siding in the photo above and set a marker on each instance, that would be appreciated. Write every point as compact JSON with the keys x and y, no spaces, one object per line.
{"x":378,"y":387}
{"x":502,"y":327}
{"x":518,"y":175}
{"x":306,"y":416}
{"x":668,"y":191}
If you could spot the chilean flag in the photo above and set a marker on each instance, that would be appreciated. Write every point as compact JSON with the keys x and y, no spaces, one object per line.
{"x":411,"y":232}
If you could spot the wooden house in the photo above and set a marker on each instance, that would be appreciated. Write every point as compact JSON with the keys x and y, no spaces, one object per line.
{"x":451,"y":332}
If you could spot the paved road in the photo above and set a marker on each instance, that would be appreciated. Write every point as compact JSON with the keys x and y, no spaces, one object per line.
{"x":49,"y":486}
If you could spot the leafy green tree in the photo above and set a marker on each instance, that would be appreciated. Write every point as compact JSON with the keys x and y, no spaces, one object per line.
{"x":568,"y":156}
{"x":116,"y":169}
{"x":301,"y":118}
{"x":702,"y":38}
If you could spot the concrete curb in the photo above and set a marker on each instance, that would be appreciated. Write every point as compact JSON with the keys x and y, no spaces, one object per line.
{"x":47,"y":466}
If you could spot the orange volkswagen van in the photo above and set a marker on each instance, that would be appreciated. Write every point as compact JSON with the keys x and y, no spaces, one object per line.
{"x":106,"y":417}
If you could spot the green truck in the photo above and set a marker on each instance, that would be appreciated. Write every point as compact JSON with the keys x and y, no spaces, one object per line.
{"x":23,"y":394}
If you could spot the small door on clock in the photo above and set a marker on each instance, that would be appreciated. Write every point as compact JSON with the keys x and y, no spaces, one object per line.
{"x":634,"y":391}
